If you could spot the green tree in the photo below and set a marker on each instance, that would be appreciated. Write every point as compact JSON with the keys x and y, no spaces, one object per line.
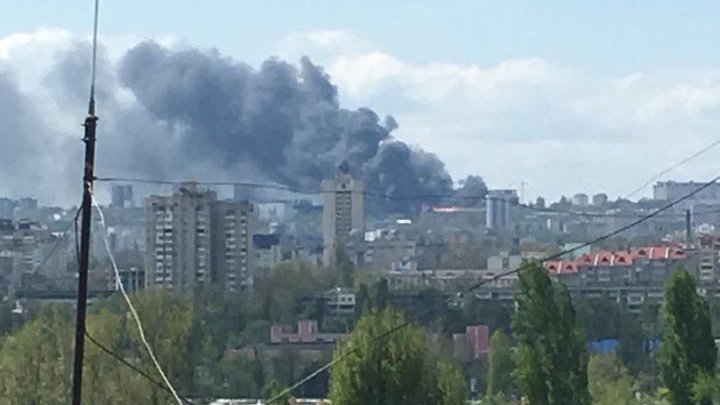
{"x":35,"y":362}
{"x":273,"y":389}
{"x":705,"y":389}
{"x":609,"y":381}
{"x":451,"y":383}
{"x":344,"y":266}
{"x":630,"y":351}
{"x":295,"y":280}
{"x":382,"y":294}
{"x":500,"y":365}
{"x":551,"y":356}
{"x":363,"y":300}
{"x":688,"y":351}
{"x":394,"y":370}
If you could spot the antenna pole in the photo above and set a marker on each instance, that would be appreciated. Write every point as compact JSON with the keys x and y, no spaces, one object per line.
{"x":86,"y":222}
{"x":88,"y":178}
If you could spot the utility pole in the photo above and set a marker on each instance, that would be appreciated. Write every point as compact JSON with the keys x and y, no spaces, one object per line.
{"x":688,"y":226}
{"x":86,"y":221}
{"x":88,"y":178}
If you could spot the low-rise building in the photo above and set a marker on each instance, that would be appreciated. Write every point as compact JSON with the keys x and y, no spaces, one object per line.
{"x":307,"y":332}
{"x":446,"y":279}
{"x":643,"y":267}
{"x":339,"y":302}
{"x":388,"y":251}
{"x":268,"y":251}
{"x":473,"y":344}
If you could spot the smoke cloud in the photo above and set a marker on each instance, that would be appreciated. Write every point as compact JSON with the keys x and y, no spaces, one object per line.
{"x":167,"y":113}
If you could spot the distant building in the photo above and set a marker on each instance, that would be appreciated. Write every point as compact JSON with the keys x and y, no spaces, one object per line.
{"x":581,"y":199}
{"x":473,"y":344}
{"x":23,"y":248}
{"x":388,"y":251}
{"x":132,"y":279}
{"x":504,"y":262}
{"x":339,"y":302}
{"x":307,"y":332}
{"x":193,"y":240}
{"x":499,"y":203}
{"x":343,"y":211}
{"x":600,"y":199}
{"x":640,"y":267}
{"x":121,"y":196}
{"x":9,"y":206}
{"x":672,"y":190}
{"x":268,"y":251}
{"x":446,"y":280}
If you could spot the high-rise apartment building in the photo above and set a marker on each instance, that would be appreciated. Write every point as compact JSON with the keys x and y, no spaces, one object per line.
{"x":232,"y":248}
{"x":192,"y":240}
{"x":343,"y":211}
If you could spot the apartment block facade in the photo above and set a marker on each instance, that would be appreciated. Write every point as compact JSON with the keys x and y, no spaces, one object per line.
{"x":343,"y":211}
{"x":193,"y":240}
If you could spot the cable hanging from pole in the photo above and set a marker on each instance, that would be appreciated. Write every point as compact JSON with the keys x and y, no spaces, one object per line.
{"x":141,"y":331}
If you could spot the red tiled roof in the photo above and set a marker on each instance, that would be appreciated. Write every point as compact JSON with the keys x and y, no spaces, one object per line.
{"x":616,"y":259}
{"x":559,"y":266}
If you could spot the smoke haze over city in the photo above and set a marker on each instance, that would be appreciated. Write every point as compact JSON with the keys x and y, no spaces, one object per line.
{"x":529,"y":113}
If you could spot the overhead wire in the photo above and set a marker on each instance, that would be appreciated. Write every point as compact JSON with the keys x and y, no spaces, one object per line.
{"x":671,"y":168}
{"x":108,"y":351}
{"x":385,"y":196}
{"x":280,"y":187}
{"x":496,"y":277}
{"x":134,"y":368}
{"x":56,"y":245}
{"x":133,"y":311}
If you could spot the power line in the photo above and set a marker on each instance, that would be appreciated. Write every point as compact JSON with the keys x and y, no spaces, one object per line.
{"x":57,"y":243}
{"x":131,"y":366}
{"x":379,"y":195}
{"x":295,"y":190}
{"x":671,"y":168}
{"x":496,"y":277}
{"x":136,"y":317}
{"x":110,"y":352}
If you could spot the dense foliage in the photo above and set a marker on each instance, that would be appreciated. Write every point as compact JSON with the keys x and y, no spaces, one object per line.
{"x":214,"y":344}
{"x":397,"y":370}
{"x":551,"y":355}
{"x":688,"y":352}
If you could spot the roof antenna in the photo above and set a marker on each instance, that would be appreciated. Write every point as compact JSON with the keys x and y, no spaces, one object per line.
{"x":91,"y":104}
{"x":88,"y":179}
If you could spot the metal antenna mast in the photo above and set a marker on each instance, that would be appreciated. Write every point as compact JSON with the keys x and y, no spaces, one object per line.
{"x":88,"y":179}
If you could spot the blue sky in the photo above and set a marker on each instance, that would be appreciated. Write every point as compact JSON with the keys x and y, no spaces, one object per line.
{"x":567,"y":96}
{"x":603,"y":36}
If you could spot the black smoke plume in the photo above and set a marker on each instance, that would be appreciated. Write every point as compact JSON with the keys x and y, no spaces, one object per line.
{"x":198,"y":115}
{"x":282,"y":122}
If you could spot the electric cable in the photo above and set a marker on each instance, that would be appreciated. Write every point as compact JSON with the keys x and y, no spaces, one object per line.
{"x":136,"y":317}
{"x":671,"y":168}
{"x":480,"y":283}
{"x":55,"y":246}
{"x":280,"y":187}
{"x":131,"y":366}
{"x":110,"y":352}
{"x":386,"y":196}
